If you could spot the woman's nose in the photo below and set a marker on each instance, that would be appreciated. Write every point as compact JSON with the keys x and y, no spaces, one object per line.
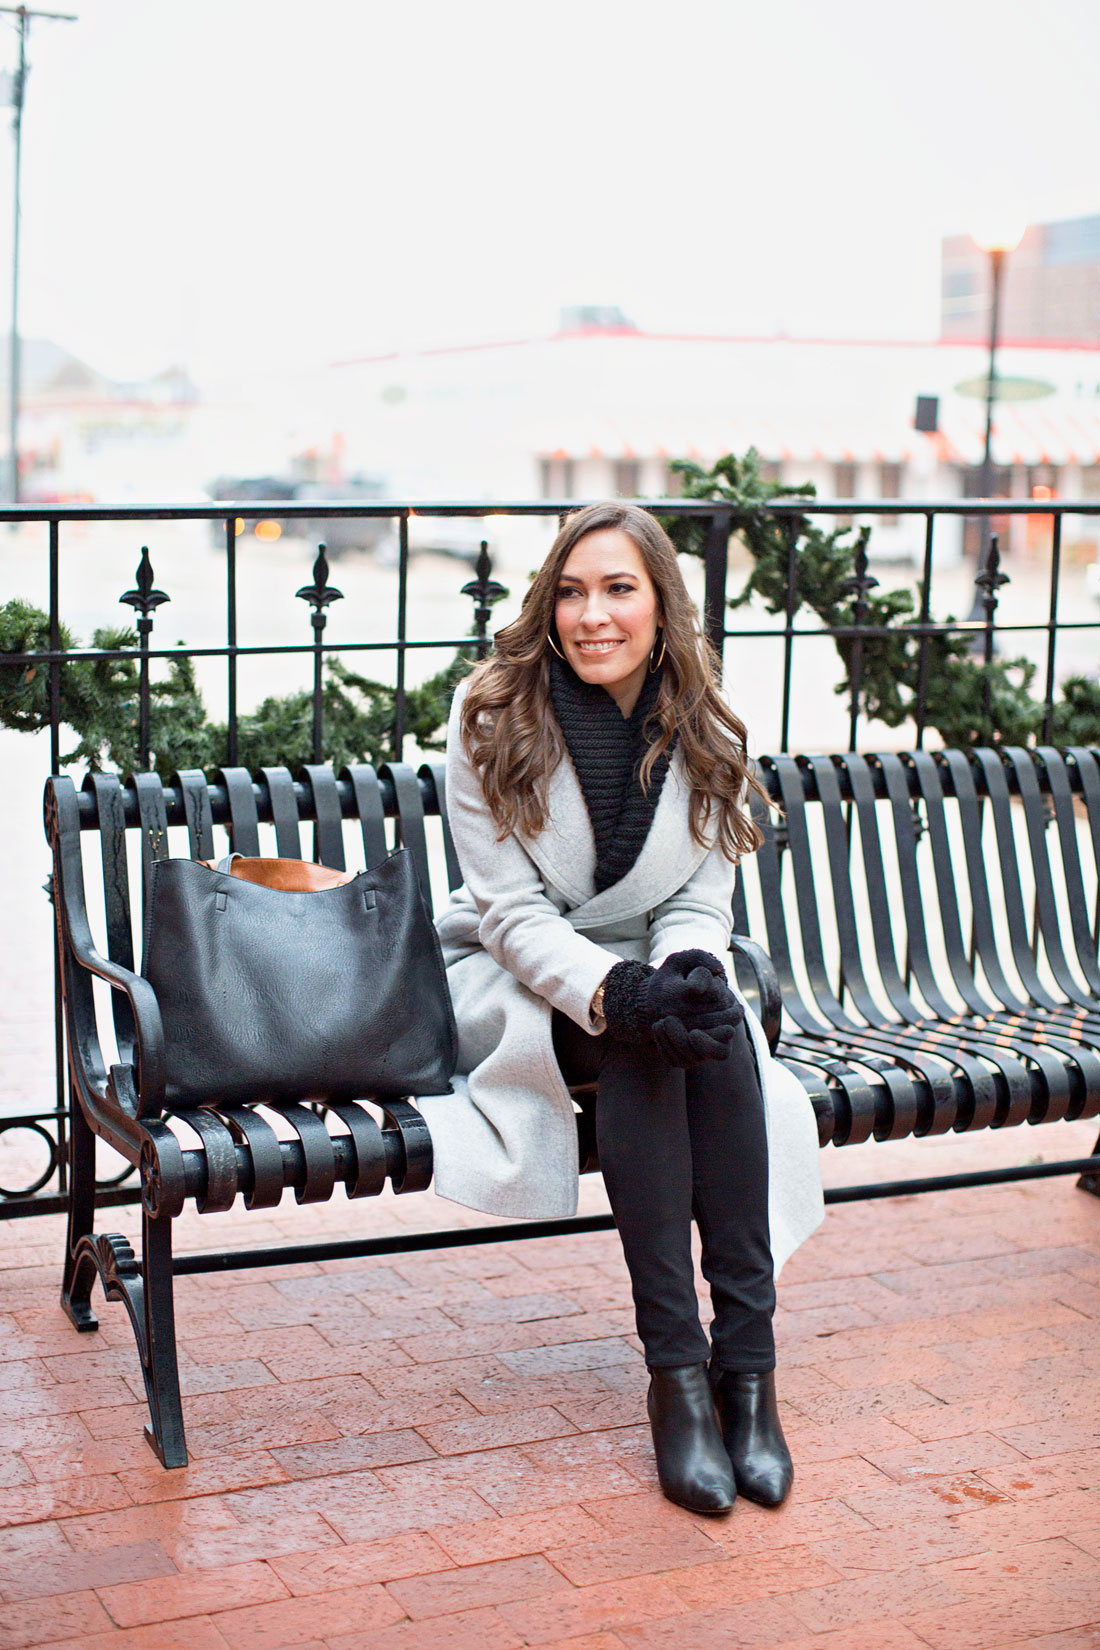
{"x":595,"y":612}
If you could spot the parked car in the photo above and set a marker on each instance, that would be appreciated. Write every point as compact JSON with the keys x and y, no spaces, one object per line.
{"x":341,"y":533}
{"x":338,"y":533}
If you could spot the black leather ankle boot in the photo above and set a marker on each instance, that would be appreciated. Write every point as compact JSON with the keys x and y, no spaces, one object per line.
{"x":692,"y":1463}
{"x":753,"y":1434}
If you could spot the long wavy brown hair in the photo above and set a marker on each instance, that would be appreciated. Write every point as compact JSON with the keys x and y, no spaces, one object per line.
{"x":512,"y":736}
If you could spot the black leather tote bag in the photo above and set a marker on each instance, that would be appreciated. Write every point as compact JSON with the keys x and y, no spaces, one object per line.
{"x":270,"y":995}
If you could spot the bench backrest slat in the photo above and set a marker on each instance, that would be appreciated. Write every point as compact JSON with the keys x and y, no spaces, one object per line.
{"x":1086,"y":765}
{"x":244,"y":828}
{"x":905,"y":845}
{"x":883,"y":918}
{"x":153,"y":815}
{"x":328,"y":823}
{"x":971,"y":807}
{"x":410,"y":819}
{"x":999,"y":800}
{"x":107,"y":790}
{"x":839,"y":849}
{"x":196,"y":804}
{"x":944,"y":876}
{"x":769,"y":869}
{"x":793,"y":798}
{"x":371,"y":811}
{"x":1035,"y":820}
{"x":284,"y":812}
{"x":1066,"y":823}
{"x":434,"y":775}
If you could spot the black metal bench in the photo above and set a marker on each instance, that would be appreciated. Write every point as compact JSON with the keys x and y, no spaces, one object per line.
{"x":888,"y":1037}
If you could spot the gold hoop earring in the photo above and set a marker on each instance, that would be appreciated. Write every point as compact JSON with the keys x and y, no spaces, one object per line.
{"x":653,"y":668}
{"x":554,"y":649}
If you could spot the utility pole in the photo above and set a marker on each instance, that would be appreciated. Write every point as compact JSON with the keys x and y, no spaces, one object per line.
{"x":18,"y":90}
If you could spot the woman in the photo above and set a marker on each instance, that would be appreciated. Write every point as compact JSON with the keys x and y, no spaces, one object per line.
{"x":596,"y":784}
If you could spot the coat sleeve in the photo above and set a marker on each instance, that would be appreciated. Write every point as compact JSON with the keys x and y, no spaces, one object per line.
{"x":697,"y":916}
{"x":519,"y":925}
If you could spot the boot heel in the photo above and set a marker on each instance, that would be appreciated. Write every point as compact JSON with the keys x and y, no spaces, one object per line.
{"x":753,"y":1434}
{"x":692,"y":1463}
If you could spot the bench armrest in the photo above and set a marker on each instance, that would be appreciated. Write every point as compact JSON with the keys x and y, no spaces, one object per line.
{"x":76,"y":945}
{"x":148,"y":1029}
{"x":767,"y":984}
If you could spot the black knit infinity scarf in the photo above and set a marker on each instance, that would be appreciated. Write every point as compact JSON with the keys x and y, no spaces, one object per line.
{"x":607,"y":750}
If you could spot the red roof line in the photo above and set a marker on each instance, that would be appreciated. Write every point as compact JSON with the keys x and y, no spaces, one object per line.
{"x":1058,"y":344}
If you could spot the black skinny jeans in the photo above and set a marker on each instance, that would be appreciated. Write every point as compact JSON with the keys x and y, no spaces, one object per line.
{"x":673,"y":1144}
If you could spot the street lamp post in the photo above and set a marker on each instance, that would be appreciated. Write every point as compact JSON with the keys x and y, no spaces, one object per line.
{"x":998,"y":245}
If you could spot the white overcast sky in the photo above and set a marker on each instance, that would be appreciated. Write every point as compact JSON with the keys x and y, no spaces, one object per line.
{"x":238,"y":184}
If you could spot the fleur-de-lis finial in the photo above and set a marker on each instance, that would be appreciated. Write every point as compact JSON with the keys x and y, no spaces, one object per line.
{"x":990,"y":579}
{"x":144,"y":598}
{"x":320,"y":593}
{"x":485,"y":591}
{"x":861,"y":582}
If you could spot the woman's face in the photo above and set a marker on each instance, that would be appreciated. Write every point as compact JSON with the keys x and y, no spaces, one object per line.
{"x":607,"y":612}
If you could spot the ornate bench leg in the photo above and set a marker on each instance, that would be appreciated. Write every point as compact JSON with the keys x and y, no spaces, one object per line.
{"x":146,"y":1291}
{"x":1091,"y":1182}
{"x":158,"y":1354}
{"x":80,"y":1265}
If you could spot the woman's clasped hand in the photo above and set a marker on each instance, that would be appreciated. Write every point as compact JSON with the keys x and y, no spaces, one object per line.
{"x":685,"y":1007}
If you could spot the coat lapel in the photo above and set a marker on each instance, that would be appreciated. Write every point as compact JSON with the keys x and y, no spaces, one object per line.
{"x":565,"y":852}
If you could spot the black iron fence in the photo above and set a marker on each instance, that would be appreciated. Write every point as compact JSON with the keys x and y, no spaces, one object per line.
{"x":44,"y":1192}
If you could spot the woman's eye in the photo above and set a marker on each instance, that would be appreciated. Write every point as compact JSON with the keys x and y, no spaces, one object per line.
{"x":622,"y":589}
{"x":562,"y":594}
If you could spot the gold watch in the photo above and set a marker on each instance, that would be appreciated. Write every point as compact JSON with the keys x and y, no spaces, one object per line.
{"x":595,"y":1008}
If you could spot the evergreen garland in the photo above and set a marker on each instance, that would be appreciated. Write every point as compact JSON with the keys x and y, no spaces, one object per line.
{"x":99,"y":700}
{"x":966,"y":701}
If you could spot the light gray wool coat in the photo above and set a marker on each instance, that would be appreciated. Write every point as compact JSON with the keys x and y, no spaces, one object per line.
{"x":527,"y":933}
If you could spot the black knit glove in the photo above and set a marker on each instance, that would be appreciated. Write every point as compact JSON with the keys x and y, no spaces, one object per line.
{"x":685,"y":1008}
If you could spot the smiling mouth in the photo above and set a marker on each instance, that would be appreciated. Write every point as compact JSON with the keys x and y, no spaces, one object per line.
{"x":599,"y":647}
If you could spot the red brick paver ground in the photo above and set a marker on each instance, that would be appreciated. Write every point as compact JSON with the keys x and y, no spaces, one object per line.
{"x":447,"y":1451}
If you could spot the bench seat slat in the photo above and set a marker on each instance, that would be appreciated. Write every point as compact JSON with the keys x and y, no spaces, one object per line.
{"x":370,"y":1149}
{"x":221,"y":1161}
{"x":320,"y":1164}
{"x":266,"y":1156}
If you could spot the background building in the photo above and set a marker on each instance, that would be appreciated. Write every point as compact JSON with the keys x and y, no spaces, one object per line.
{"x":1051,"y":285}
{"x":601,"y":408}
